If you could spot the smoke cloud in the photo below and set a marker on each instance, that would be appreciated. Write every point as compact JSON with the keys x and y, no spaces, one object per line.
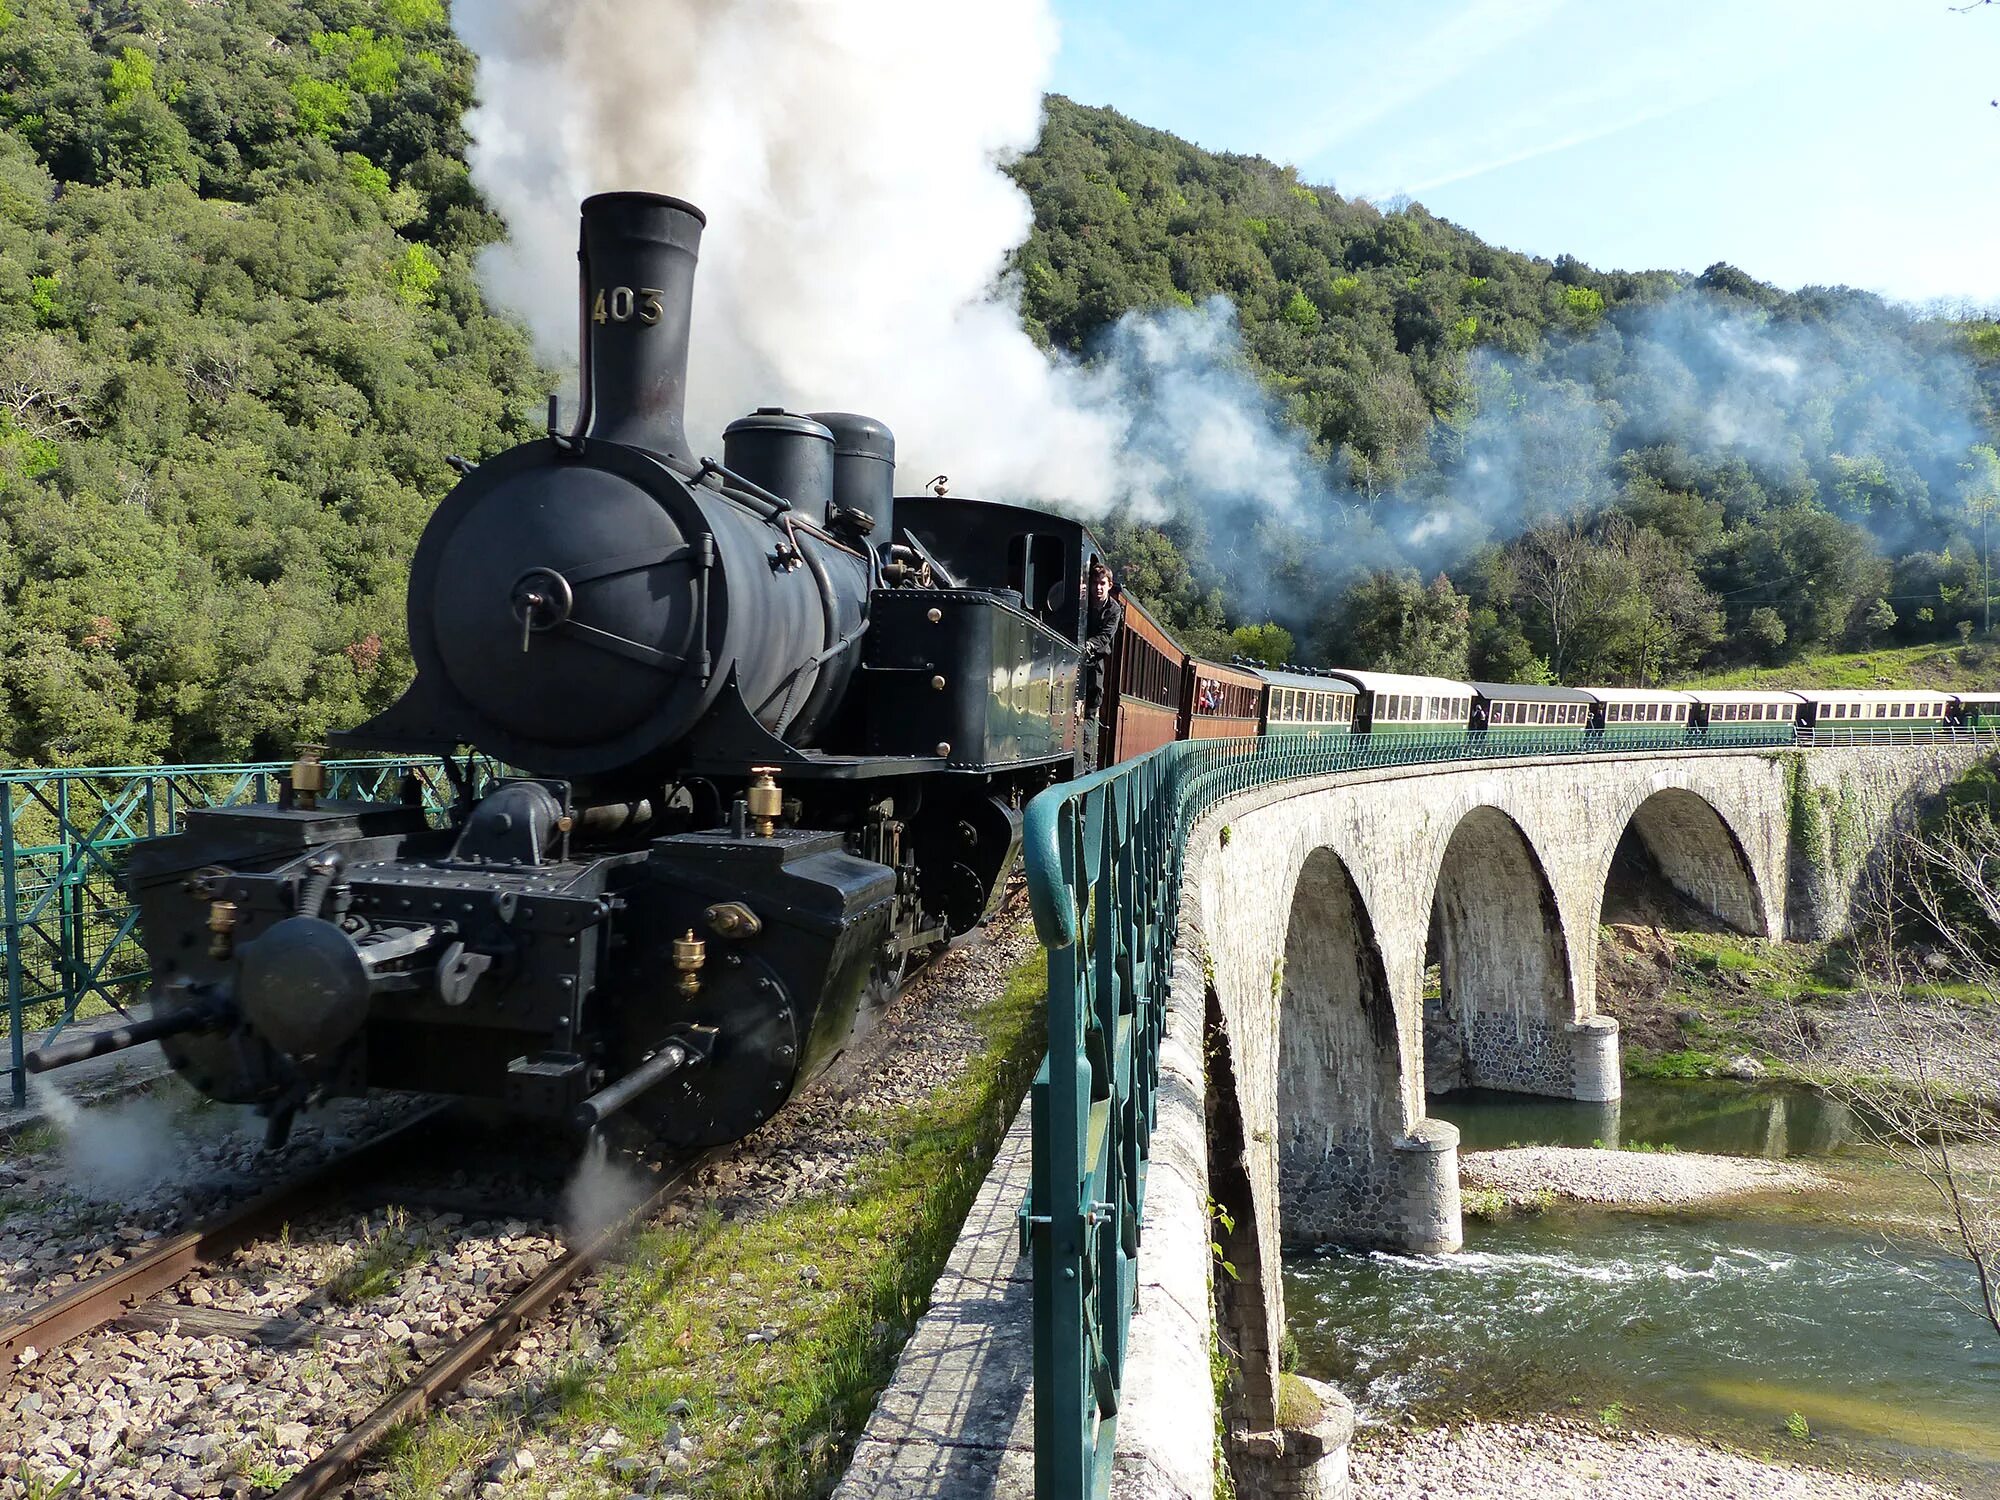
{"x":115,"y":1151}
{"x":849,"y":160}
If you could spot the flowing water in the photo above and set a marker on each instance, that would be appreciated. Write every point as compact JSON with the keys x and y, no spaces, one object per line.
{"x":1834,"y":1305}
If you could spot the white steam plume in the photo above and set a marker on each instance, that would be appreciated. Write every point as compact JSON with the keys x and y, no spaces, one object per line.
{"x":847,"y":156}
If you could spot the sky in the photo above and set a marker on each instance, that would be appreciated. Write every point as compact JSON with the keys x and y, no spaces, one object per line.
{"x":1805,"y":141}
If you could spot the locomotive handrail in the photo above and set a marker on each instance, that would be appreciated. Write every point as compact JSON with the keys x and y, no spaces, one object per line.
{"x":66,"y":924}
{"x":1103,"y":857}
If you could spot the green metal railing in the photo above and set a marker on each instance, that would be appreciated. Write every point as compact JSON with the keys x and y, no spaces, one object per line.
{"x":1104,"y":860}
{"x":66,"y":924}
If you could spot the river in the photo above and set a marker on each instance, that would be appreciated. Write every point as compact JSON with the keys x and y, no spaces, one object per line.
{"x":1727,"y":1320}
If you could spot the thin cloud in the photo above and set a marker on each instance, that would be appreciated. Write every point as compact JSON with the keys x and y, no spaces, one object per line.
{"x":1426,"y":66}
{"x":1546,"y":148}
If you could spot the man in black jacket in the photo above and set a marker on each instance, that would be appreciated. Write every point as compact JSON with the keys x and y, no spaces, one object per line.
{"x":1106,"y":614}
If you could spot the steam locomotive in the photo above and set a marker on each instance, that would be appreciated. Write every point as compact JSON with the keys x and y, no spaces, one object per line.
{"x":768,"y":731}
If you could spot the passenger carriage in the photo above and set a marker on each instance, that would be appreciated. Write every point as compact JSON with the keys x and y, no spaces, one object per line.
{"x":1312,"y":704}
{"x":1640,"y":715}
{"x":1510,"y":709}
{"x":1834,"y":710}
{"x":1975,"y":710}
{"x":1389,"y":705}
{"x":1220,"y":702}
{"x":1745,"y":716}
{"x":1141,"y":708}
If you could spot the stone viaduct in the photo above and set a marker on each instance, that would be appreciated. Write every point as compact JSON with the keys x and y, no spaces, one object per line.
{"x":1310,"y":910}
{"x":1301,"y":1045}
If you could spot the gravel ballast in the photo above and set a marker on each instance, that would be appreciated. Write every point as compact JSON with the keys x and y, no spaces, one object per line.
{"x":1568,"y":1460}
{"x":1628,"y":1179}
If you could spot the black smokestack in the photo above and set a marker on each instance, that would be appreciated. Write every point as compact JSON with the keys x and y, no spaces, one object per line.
{"x":637,"y":257}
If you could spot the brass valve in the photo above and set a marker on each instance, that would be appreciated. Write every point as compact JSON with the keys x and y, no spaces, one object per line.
{"x":308,"y":777}
{"x":690,"y":953}
{"x":221,"y":928}
{"x":767,"y":803}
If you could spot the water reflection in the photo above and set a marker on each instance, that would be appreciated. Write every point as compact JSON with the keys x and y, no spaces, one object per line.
{"x":1730,"y":1119}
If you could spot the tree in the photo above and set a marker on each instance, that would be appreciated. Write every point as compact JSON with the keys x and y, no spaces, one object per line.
{"x":1918,"y":1066}
{"x":1270,"y":644}
{"x":1392,"y":622}
{"x":1765,"y":630}
{"x":1877,"y":620}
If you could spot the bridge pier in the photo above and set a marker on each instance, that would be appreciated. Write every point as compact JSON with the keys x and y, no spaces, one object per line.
{"x":1356,"y":1189}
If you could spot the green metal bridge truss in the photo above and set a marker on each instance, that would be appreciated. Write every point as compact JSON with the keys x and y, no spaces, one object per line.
{"x":68,"y":930}
{"x":1104,"y":862}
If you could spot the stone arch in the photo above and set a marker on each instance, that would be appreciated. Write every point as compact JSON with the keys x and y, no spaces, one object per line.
{"x":1505,"y":1010}
{"x":1357,"y":1163}
{"x":1695,"y":850}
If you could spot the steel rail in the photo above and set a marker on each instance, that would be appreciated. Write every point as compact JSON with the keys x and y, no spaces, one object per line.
{"x":106,"y":1297}
{"x":447,"y":1369}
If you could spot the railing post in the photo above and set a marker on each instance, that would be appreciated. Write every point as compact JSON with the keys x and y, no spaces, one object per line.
{"x":10,"y":890}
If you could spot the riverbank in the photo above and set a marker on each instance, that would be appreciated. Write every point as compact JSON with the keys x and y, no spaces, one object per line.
{"x":1708,"y":1004}
{"x":1534,"y":1176}
{"x":1557,"y":1459}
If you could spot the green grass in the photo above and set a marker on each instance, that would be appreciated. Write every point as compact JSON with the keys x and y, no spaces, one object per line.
{"x":1298,"y":1407}
{"x":1688,"y":1063}
{"x":765,"y":1340}
{"x":1938,"y":665}
{"x":379,"y":1263}
{"x":1491,"y":1203}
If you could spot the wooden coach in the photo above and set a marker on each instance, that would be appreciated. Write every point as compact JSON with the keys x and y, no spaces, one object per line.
{"x":1143,"y":690}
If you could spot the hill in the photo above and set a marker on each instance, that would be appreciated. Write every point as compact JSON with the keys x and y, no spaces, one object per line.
{"x":1622,"y":475}
{"x":1945,"y":668}
{"x":239,"y":334}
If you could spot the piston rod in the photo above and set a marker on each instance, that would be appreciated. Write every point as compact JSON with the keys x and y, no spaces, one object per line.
{"x":119,"y":1038}
{"x":606,"y":1102}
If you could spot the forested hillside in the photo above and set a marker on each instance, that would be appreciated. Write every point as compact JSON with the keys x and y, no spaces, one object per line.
{"x":239,"y":334}
{"x":1638,"y":541}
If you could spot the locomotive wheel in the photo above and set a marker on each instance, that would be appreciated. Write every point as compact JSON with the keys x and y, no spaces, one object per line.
{"x":884,"y":982}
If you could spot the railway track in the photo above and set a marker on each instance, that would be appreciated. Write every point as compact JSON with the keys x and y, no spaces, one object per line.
{"x":479,"y":1346}
{"x":114,"y":1296}
{"x":158,"y":1267}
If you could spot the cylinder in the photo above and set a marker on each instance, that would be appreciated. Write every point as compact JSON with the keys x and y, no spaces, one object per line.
{"x":636,"y":259}
{"x":864,"y":468}
{"x":787,"y":454}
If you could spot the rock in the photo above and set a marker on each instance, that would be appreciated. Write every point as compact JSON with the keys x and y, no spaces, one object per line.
{"x":292,"y":1434}
{"x":1745,"y":1068}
